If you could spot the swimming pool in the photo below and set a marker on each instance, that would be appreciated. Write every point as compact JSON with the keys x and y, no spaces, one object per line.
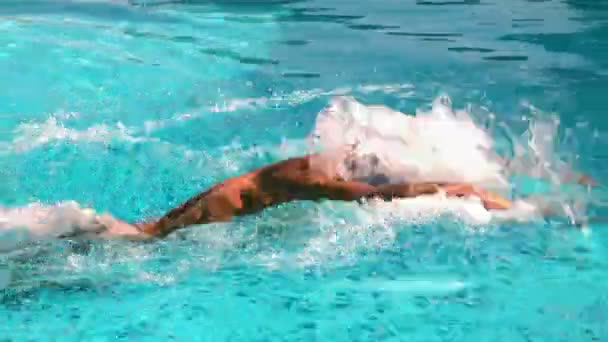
{"x":132,"y":107}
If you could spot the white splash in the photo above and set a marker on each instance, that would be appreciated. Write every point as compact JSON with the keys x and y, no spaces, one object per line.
{"x":443,"y":145}
{"x":35,"y":134}
{"x":347,"y":227}
{"x":436,"y":146}
{"x":35,"y":222}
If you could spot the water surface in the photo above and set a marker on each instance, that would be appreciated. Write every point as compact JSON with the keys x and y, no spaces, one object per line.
{"x":132,"y":106}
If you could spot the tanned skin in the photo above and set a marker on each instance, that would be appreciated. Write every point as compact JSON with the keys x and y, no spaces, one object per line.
{"x":291,"y":180}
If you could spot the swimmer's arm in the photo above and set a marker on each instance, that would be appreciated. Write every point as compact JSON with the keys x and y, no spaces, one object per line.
{"x":388,"y":192}
{"x":353,"y":191}
{"x":490,"y":200}
{"x":343,"y":190}
{"x":205,"y":209}
{"x":202,"y":209}
{"x":199,"y":209}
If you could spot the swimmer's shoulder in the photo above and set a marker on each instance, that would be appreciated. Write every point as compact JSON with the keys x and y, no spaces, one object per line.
{"x":292,"y":165}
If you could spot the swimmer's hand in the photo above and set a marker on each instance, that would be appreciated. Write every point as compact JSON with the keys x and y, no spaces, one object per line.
{"x":116,"y":228}
{"x":489,"y":199}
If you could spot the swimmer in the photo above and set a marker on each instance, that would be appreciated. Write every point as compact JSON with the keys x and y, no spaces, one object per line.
{"x":358,"y":169}
{"x":285,"y":181}
{"x":379,"y":154}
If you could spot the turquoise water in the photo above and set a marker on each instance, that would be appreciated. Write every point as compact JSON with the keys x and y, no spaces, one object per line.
{"x":132,"y":107}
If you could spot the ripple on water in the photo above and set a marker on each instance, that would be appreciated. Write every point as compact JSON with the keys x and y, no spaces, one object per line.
{"x":448,"y":3}
{"x":506,"y":58}
{"x":372,"y":27}
{"x":295,"y":42}
{"x":470,"y":49}
{"x":233,"y":55}
{"x":300,"y":74}
{"x":425,"y":34}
